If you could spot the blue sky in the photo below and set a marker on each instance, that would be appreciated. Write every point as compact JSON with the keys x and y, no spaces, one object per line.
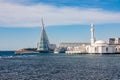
{"x":65,"y":21}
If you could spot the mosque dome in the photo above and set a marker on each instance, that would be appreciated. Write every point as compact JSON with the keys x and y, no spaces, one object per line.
{"x":100,"y":43}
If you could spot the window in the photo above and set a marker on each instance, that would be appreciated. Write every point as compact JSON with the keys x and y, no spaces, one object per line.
{"x":107,"y":49}
{"x":95,"y":49}
{"x":116,"y":49}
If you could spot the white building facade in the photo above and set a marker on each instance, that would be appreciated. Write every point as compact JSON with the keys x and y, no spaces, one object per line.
{"x":100,"y":46}
{"x":76,"y":49}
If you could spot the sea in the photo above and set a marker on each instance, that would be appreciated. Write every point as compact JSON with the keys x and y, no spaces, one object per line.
{"x":59,"y":66}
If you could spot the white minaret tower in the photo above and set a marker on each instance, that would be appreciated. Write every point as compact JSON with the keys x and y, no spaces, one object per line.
{"x":92,"y":34}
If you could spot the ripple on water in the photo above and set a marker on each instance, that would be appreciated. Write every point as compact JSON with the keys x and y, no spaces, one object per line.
{"x":60,"y":67}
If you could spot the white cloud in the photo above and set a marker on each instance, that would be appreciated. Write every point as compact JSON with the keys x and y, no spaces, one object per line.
{"x":15,"y":15}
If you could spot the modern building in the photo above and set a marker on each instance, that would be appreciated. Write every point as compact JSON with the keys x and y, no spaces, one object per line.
{"x":44,"y":46}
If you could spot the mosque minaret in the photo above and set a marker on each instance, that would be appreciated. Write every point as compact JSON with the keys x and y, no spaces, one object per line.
{"x":92,"y":34}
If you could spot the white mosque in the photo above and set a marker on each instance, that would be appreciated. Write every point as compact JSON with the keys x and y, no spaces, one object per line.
{"x":97,"y":46}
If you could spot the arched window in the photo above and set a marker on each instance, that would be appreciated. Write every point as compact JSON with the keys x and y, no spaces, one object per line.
{"x":95,"y":49}
{"x":116,"y":49}
{"x":107,"y":49}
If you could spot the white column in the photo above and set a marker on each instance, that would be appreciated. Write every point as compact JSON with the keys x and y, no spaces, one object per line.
{"x":92,"y":34}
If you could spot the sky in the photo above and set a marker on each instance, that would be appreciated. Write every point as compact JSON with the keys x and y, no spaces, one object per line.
{"x":65,"y":21}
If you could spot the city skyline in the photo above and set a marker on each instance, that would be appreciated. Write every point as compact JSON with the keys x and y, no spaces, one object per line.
{"x":65,"y":21}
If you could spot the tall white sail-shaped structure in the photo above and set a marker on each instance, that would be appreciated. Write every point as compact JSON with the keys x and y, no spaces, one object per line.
{"x":43,"y":45}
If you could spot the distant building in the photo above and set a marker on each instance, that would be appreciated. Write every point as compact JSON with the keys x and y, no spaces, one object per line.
{"x":77,"y":49}
{"x":114,"y":41}
{"x":44,"y":46}
{"x":72,"y":44}
{"x":71,"y":48}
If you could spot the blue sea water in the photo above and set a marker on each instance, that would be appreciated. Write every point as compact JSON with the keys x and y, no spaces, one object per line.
{"x":59,"y":67}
